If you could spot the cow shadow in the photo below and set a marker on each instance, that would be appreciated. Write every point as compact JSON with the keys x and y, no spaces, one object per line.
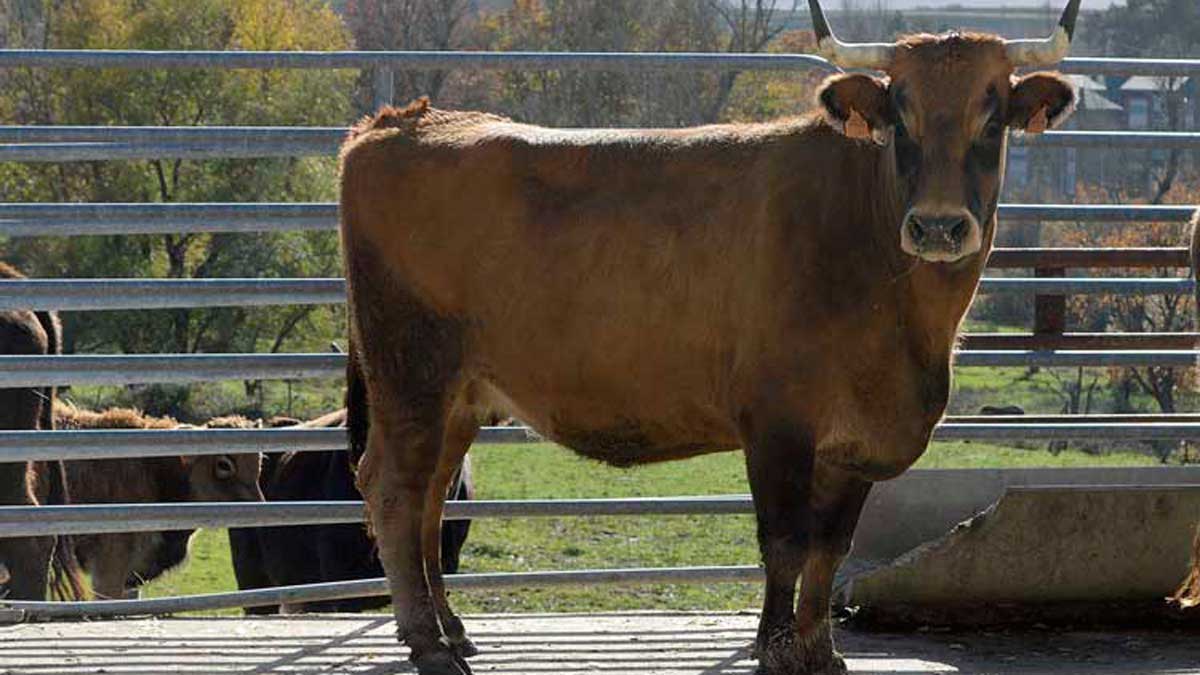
{"x":367,"y":645}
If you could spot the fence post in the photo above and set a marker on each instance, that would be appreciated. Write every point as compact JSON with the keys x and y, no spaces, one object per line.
{"x":383,"y":87}
{"x":1050,"y":318}
{"x":1049,"y":311}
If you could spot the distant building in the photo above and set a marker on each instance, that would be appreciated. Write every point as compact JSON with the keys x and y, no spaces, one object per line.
{"x":1147,"y":101}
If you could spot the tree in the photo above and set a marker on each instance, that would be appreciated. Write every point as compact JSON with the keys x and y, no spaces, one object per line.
{"x":750,"y":25}
{"x":625,"y":98}
{"x":1157,"y":313}
{"x":182,"y":98}
{"x":408,"y":25}
{"x":1154,"y":29}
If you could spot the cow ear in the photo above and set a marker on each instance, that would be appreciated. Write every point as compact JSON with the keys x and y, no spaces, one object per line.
{"x":857,"y":105}
{"x":1040,"y":101}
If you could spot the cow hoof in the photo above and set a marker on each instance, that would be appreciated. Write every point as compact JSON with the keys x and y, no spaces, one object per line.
{"x":440,"y":663}
{"x":781,"y":654}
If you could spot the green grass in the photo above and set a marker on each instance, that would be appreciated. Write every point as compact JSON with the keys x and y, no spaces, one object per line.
{"x":547,"y":471}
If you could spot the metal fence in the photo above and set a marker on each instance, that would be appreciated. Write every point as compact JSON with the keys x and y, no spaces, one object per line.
{"x":1049,"y":345}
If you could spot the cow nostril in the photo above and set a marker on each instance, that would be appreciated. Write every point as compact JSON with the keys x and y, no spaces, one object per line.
{"x":959,"y":231}
{"x":915,"y":229}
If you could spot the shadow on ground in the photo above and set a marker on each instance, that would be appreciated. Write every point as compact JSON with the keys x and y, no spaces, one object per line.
{"x":613,"y":644}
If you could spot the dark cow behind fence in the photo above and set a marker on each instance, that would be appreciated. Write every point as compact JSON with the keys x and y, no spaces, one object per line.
{"x":1188,"y":594}
{"x":306,"y":554}
{"x":118,"y":562}
{"x":27,"y":561}
{"x":791,"y":288}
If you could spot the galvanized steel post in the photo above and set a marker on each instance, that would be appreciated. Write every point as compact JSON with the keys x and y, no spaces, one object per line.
{"x":383,"y":87}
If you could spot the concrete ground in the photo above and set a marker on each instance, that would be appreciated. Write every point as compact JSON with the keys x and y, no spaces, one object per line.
{"x":613,"y":644}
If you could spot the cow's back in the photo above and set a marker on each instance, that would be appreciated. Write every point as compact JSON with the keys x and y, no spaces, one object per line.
{"x":610,"y":283}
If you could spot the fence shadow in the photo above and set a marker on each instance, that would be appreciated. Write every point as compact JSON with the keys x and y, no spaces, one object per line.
{"x":614,"y":645}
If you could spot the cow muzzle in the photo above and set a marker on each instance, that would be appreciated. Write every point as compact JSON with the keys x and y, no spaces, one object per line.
{"x":940,"y":237}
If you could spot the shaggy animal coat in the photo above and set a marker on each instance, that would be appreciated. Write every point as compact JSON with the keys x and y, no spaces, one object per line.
{"x":120,"y":561}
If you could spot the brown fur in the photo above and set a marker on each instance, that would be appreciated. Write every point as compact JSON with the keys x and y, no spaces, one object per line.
{"x":233,"y":422}
{"x":32,"y":561}
{"x":125,"y":560}
{"x":648,"y":295}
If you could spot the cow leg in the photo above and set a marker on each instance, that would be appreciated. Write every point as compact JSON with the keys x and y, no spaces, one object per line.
{"x":248,"y":566}
{"x":806,"y":516}
{"x":27,"y":558}
{"x":394,"y":477}
{"x":28,"y":563}
{"x":780,"y":471}
{"x":836,"y":503}
{"x":458,"y":440}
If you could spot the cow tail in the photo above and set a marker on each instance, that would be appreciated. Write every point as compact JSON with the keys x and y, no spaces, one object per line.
{"x":66,"y":578}
{"x":1188,"y":594}
{"x":53,"y":329}
{"x":358,"y":421}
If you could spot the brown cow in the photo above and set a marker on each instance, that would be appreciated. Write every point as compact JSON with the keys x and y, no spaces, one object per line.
{"x":791,"y":288}
{"x":118,"y":561}
{"x":1188,"y":594}
{"x":27,"y":560}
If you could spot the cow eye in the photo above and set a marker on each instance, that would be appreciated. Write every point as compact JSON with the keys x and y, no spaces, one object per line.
{"x":225,"y":468}
{"x":901,"y":130}
{"x":994,"y":129}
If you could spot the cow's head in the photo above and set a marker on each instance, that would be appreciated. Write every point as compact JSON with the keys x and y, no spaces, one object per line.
{"x":944,"y":109}
{"x":224,"y":478}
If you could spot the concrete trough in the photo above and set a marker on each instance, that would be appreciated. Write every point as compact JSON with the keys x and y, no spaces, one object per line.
{"x":986,"y":547}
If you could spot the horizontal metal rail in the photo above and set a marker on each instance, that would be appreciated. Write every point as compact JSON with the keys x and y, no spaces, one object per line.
{"x":319,"y":142}
{"x":47,"y":219}
{"x":1061,"y":258}
{"x":1182,"y":358}
{"x":129,"y":294}
{"x":1113,"y":140}
{"x":65,"y":133}
{"x":31,"y":521}
{"x":1055,"y":431}
{"x":1087,"y":286}
{"x":221,"y":149}
{"x":595,"y":61}
{"x":18,"y":446}
{"x":376,"y":587}
{"x":115,"y":294}
{"x":1125,"y":66}
{"x":411,"y":60}
{"x":45,"y":371}
{"x":1074,"y":341}
{"x":1096,"y":213}
{"x":327,"y":139}
{"x":1107,"y":418}
{"x":60,"y":220}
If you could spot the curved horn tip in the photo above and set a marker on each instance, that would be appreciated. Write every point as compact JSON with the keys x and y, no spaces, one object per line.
{"x":1069,"y":16}
{"x":820,"y":23}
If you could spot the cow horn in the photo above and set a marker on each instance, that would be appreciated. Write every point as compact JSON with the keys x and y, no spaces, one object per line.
{"x":875,"y":55}
{"x":1049,"y":51}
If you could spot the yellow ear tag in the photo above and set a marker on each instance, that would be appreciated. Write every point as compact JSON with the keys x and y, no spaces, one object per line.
{"x":1037,"y":123}
{"x":856,"y":126}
